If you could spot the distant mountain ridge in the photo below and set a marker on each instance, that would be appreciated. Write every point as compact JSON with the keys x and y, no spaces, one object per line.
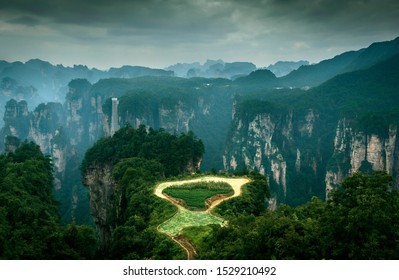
{"x":309,"y":76}
{"x":282,"y":68}
{"x":48,"y":82}
{"x":212,"y":69}
{"x":254,"y":122}
{"x":313,"y":75}
{"x":51,"y":81}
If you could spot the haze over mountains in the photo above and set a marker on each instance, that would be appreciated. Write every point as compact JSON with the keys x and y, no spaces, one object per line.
{"x":216,"y":103}
{"x":39,"y":81}
{"x":304,"y":128}
{"x":48,"y":82}
{"x":103,"y":101}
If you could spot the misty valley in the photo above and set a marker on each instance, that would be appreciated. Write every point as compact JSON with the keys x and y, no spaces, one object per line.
{"x":202,"y":161}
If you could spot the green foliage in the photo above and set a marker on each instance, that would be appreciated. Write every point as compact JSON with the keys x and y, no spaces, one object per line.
{"x":29,"y":221}
{"x":138,"y":159}
{"x":252,"y":201}
{"x":77,"y":89}
{"x":197,"y":234}
{"x":360,"y":221}
{"x":129,"y":243}
{"x":135,"y":176}
{"x":185,"y":218}
{"x":175,"y":153}
{"x":139,"y":212}
{"x":82,"y":239}
{"x":194,"y":195}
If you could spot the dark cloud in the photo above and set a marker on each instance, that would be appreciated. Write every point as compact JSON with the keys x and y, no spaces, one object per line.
{"x":262,"y":29}
{"x":210,"y":16}
{"x":25,"y":20}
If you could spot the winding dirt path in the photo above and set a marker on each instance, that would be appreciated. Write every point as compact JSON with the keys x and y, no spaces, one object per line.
{"x":235,"y":183}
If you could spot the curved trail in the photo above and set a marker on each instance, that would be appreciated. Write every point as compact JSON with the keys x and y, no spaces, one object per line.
{"x":235,"y":183}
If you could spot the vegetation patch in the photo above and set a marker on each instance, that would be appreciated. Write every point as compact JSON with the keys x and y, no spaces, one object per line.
{"x":198,"y":234}
{"x":198,"y":196}
{"x":185,"y":218}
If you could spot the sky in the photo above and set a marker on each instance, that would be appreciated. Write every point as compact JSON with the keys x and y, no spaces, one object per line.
{"x":155,"y":33}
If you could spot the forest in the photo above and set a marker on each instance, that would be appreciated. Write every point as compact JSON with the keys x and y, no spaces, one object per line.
{"x":30,"y":226}
{"x":359,"y":220}
{"x":310,"y":144}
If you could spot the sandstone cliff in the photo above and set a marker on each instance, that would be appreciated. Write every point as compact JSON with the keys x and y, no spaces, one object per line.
{"x":102,"y":201}
{"x":356,"y":150}
{"x":302,"y":156}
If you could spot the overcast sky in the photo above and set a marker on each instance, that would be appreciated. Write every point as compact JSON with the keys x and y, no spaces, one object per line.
{"x":154,"y":33}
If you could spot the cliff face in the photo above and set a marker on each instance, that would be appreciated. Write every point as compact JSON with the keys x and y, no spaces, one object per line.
{"x":356,"y":150}
{"x":278,"y":146}
{"x":82,"y":111}
{"x":11,"y":89}
{"x":299,"y":160}
{"x":207,"y":115}
{"x":102,"y":200}
{"x":46,"y":126}
{"x":16,"y":117}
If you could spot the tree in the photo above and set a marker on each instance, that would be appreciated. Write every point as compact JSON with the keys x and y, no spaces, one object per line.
{"x":362,"y":219}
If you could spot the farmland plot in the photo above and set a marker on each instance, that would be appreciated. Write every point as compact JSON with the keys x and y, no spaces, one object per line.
{"x":197,"y":196}
{"x":186,"y":218}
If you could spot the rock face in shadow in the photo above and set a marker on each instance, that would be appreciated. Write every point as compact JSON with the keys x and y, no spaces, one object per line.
{"x":102,"y":201}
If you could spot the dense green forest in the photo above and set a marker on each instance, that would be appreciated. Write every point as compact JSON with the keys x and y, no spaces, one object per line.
{"x":177,"y":154}
{"x":359,"y":221}
{"x":30,"y":226}
{"x":139,"y":158}
{"x":295,"y":136}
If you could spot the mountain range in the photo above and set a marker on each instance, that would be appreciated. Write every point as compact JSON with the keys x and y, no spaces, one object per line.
{"x":305,"y":131}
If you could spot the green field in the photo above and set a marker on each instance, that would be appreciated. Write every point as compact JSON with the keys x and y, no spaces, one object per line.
{"x":197,"y":221}
{"x":194,"y":195}
{"x":185,"y":218}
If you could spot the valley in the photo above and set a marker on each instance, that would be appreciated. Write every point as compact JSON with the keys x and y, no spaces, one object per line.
{"x":292,"y":147}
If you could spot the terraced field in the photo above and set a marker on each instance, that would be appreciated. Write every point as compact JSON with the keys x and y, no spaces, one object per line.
{"x":186,"y":218}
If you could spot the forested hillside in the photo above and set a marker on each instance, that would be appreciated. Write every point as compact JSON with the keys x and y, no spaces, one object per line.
{"x":120,"y":172}
{"x":30,"y":226}
{"x":360,"y":221}
{"x":320,"y":147}
{"x":307,"y":141}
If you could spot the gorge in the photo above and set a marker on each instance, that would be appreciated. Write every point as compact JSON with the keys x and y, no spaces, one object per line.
{"x":305,"y":132}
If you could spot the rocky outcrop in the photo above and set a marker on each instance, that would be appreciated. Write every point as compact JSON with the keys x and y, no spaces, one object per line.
{"x":46,"y":127}
{"x":207,"y":115}
{"x":16,"y":117}
{"x":299,"y":155}
{"x":78,"y":109}
{"x":356,"y":150}
{"x":272,"y":144}
{"x":11,"y":144}
{"x":102,"y":200}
